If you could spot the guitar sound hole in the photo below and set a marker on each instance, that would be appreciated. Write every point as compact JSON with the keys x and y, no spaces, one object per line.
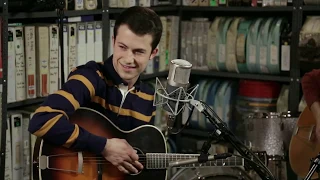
{"x":142,"y":160}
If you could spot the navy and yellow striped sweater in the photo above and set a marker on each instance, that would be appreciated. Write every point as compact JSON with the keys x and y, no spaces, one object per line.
{"x":98,"y":86}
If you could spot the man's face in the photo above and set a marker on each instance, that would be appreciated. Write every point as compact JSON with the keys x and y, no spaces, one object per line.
{"x":131,"y":53}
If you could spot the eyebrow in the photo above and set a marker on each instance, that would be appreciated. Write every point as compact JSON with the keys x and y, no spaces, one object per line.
{"x":137,"y":49}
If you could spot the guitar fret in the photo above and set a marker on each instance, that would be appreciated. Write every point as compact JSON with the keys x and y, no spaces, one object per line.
{"x":162,"y":160}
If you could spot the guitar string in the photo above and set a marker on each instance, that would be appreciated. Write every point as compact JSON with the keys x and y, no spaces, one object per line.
{"x":143,"y":158}
{"x":170,"y":158}
{"x":153,"y":163}
{"x":168,"y":161}
{"x":93,"y":160}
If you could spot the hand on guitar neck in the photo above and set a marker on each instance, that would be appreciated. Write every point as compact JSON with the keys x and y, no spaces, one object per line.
{"x":121,"y":154}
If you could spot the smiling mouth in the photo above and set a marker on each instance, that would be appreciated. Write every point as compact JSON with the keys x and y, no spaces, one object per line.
{"x":127,"y":67}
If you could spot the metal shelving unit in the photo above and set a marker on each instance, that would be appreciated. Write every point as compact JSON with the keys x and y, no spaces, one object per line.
{"x":52,"y":14}
{"x":3,"y":109}
{"x":293,"y":78}
{"x":238,"y":9}
{"x":264,"y":77}
{"x":155,"y":8}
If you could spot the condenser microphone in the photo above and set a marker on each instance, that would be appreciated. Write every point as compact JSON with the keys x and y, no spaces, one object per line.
{"x":178,"y":77}
{"x":174,"y":96}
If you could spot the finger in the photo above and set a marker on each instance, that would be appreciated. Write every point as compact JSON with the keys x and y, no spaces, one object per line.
{"x":138,"y":164}
{"x":128,"y":158}
{"x":130,"y":167}
{"x":133,"y":156}
{"x":122,"y":169}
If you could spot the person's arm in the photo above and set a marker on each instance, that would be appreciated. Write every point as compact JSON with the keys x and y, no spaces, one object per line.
{"x":50,"y":120}
{"x":311,"y":91}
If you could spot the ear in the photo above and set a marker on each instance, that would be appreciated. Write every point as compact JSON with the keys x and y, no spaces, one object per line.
{"x":154,"y":53}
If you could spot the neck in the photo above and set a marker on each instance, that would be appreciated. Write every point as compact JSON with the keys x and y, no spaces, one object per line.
{"x":131,"y":82}
{"x":162,"y":160}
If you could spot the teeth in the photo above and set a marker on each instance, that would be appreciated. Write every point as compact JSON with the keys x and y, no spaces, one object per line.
{"x":128,"y":66}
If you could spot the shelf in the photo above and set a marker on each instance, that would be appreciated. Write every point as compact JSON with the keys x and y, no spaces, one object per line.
{"x":216,"y":74}
{"x":195,"y":132}
{"x":264,"y":77}
{"x":146,"y":77}
{"x":52,"y":14}
{"x":155,"y":8}
{"x":239,"y":9}
{"x":25,"y":103}
{"x":311,"y":8}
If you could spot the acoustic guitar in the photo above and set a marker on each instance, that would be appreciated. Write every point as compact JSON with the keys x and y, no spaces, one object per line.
{"x":303,"y":145}
{"x":52,"y":162}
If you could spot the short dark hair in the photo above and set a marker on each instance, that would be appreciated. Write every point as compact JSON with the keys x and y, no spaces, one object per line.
{"x":141,"y":21}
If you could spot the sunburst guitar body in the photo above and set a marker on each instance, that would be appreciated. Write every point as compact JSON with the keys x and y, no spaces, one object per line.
{"x":303,"y":145}
{"x":52,"y":162}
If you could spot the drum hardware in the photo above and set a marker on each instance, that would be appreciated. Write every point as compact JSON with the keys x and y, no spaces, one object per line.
{"x":270,"y":132}
{"x":314,"y":167}
{"x":221,"y":132}
{"x":212,"y":173}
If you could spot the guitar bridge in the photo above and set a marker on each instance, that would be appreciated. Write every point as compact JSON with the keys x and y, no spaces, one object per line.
{"x":44,"y":162}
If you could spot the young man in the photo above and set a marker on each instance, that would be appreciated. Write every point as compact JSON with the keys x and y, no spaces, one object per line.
{"x":113,"y":87}
{"x":311,"y":91}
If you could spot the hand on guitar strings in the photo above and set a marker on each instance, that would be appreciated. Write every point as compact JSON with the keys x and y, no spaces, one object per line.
{"x":121,"y":154}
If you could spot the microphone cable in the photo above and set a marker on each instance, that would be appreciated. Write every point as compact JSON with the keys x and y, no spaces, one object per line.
{"x":185,"y":125}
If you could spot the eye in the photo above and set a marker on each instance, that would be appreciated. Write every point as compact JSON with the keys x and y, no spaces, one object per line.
{"x":122,"y":47}
{"x":139,"y":52}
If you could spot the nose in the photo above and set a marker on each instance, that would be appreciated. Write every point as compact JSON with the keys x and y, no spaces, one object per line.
{"x":129,"y":58}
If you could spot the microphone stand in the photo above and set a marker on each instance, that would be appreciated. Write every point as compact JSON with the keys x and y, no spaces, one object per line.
{"x":314,"y":168}
{"x":222,"y":132}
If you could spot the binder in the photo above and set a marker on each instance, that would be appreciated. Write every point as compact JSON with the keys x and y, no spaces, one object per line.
{"x":98,"y":45}
{"x":54,"y":58}
{"x":72,"y":33}
{"x":110,"y":50}
{"x":18,"y":39}
{"x":81,"y":44}
{"x":90,"y":41}
{"x":42,"y":44}
{"x":65,"y":51}
{"x":11,"y":66}
{"x":30,"y":52}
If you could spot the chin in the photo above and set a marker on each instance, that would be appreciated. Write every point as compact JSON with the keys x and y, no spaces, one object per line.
{"x":127,"y":77}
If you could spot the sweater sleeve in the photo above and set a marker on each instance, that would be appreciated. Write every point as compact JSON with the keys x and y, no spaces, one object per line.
{"x":50,"y":120}
{"x":311,"y":86}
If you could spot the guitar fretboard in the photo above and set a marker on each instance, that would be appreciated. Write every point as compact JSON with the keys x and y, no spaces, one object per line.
{"x":162,"y":160}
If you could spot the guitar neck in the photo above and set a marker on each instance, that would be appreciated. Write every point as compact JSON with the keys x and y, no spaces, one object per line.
{"x":162,"y":160}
